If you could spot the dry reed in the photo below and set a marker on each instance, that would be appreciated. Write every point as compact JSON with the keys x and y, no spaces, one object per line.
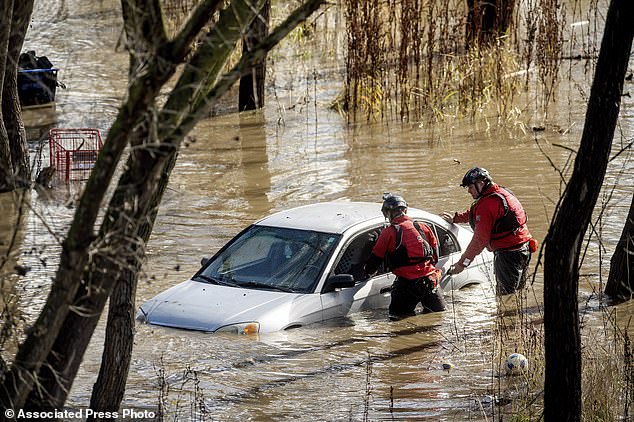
{"x":410,"y":60}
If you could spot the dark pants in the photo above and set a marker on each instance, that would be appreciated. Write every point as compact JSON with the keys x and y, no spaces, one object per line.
{"x":406,"y":294}
{"x":511,"y":268}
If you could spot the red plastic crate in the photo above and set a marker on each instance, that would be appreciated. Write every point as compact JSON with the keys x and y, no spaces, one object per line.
{"x":74,"y":152}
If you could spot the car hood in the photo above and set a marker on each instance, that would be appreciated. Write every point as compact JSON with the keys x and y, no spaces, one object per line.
{"x":201,"y":306}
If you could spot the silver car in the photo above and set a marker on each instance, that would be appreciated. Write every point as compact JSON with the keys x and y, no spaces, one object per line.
{"x":298,"y":267}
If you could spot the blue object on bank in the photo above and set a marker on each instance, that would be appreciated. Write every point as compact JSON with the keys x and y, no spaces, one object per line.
{"x":37,"y":80}
{"x":37,"y":86}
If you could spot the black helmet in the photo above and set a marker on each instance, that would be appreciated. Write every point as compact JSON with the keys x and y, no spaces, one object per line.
{"x":475,"y":174}
{"x":392,"y":202}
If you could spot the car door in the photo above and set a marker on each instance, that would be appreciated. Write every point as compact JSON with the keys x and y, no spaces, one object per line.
{"x":367,"y":293}
{"x":449,"y":252}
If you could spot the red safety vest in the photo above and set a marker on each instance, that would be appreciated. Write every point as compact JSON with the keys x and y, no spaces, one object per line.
{"x":513,"y":218}
{"x":509,"y":229}
{"x":412,"y":246}
{"x":405,"y":248}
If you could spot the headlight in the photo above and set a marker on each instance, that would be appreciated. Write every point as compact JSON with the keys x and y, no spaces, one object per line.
{"x":242,"y":328}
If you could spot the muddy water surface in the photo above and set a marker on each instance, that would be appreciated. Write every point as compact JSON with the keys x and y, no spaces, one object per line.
{"x":238,"y":168}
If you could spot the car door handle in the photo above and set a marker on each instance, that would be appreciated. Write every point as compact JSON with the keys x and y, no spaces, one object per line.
{"x":386,"y":289}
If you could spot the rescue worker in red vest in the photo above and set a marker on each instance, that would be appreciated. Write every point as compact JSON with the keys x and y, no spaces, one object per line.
{"x":499,"y":224}
{"x":410,"y":248}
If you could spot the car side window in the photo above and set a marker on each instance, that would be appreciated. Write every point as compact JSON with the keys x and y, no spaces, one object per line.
{"x":356,"y":254}
{"x":447,"y":243}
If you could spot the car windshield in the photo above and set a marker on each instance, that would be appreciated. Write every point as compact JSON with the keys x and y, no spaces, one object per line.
{"x":272,"y":258}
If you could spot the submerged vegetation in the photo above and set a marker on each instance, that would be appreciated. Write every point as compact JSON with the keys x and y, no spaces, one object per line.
{"x":410,"y":60}
{"x":608,"y":368}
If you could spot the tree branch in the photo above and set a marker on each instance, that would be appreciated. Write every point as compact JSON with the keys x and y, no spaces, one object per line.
{"x":181,"y":45}
{"x":204,"y":67}
{"x":247,"y":61}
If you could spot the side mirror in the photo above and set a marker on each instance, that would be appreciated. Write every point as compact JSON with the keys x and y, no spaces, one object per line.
{"x":339,"y":281}
{"x":204,"y":260}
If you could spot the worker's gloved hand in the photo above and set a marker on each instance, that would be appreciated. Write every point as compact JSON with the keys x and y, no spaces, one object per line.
{"x":456,"y":268}
{"x":447,"y":217}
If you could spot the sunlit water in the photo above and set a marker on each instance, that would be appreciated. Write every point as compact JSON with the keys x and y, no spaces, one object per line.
{"x":239,"y":168}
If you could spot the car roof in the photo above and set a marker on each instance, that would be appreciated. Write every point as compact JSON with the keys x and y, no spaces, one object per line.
{"x":334,"y":217}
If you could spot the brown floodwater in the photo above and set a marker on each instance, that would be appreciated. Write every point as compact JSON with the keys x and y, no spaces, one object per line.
{"x":238,"y":168}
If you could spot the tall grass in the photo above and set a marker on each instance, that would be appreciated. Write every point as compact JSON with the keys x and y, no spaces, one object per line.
{"x":608,"y":371}
{"x":415,"y":54}
{"x":366,"y":59}
{"x":607,"y":364}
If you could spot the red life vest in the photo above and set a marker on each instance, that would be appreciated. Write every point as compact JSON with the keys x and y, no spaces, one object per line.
{"x":412,"y":246}
{"x":513,"y":218}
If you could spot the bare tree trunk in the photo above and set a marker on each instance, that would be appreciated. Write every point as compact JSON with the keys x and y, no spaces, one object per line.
{"x":620,"y":283}
{"x":562,"y":393}
{"x":14,"y":154}
{"x":109,"y":388}
{"x":251,"y":94}
{"x":7,"y":182}
{"x":487,"y":20}
{"x":11,"y":110}
{"x":15,"y":213}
